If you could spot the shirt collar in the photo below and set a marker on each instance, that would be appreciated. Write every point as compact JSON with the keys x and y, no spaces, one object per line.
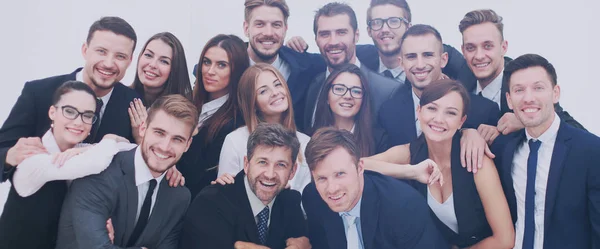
{"x":214,"y":104}
{"x":395,"y":71}
{"x":355,"y":211}
{"x":550,"y":134}
{"x":49,"y":142}
{"x":142,"y":173}
{"x":276,"y":63}
{"x":416,"y":99}
{"x":255,"y":203}
{"x":356,"y":62}
{"x":105,"y":98}
{"x":493,"y":88}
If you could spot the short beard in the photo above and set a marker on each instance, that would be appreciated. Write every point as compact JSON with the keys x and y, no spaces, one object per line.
{"x":393,"y":53}
{"x":263,"y":56}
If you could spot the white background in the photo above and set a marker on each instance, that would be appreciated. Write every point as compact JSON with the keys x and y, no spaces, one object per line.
{"x":43,"y":38}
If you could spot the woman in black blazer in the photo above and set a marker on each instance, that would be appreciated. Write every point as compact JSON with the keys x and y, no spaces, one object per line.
{"x":469,"y":209}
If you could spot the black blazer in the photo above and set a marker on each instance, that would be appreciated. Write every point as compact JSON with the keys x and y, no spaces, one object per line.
{"x":198,"y":164}
{"x":397,"y":115}
{"x":572,"y":213}
{"x":456,"y":68}
{"x":29,"y":115}
{"x":472,"y":223}
{"x":221,"y":215}
{"x":392,"y":215}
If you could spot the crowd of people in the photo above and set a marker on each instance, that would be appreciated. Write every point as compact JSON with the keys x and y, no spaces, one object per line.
{"x":406,"y":143}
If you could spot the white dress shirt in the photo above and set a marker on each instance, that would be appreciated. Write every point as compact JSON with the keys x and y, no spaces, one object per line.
{"x":105,"y":98}
{"x":256,"y":204}
{"x":37,"y":170}
{"x":234,"y":149}
{"x":519,"y":176}
{"x":209,"y":108}
{"x":280,"y":65}
{"x":398,"y":72}
{"x":493,"y":91}
{"x":416,"y":102}
{"x":142,"y":181}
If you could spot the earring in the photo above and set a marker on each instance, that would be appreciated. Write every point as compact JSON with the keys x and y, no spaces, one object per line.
{"x":89,"y":133}
{"x":52,"y":125}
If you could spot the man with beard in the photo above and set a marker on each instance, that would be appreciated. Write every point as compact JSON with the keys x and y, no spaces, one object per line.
{"x":484,"y":48}
{"x":256,"y":211}
{"x":336,"y":34}
{"x":423,"y":58}
{"x":144,"y":210}
{"x":107,"y":52}
{"x":550,"y":171}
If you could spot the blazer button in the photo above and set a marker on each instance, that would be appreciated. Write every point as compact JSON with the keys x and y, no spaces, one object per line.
{"x":473,"y":237}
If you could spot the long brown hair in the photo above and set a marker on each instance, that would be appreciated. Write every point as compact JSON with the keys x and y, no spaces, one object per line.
{"x":178,"y":81}
{"x":239,"y":62}
{"x":362,"y":120}
{"x":246,"y":96}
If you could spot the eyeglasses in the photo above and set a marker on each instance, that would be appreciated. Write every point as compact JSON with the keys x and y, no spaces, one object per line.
{"x":392,"y":22}
{"x":87,"y":117}
{"x":340,"y":90}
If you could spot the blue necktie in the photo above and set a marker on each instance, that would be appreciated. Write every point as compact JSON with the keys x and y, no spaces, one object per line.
{"x":263,"y":218}
{"x":529,"y":234}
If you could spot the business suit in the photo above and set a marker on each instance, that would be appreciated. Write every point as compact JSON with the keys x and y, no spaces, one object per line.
{"x":572,"y":198}
{"x":397,"y":115}
{"x":381,"y":89}
{"x":29,"y":115}
{"x":199,"y":164}
{"x":221,"y":215}
{"x":392,"y":215}
{"x":113,"y":194}
{"x":470,"y":214}
{"x":456,"y":68}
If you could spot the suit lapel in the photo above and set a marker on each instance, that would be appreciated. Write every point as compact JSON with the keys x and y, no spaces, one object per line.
{"x":246,"y":217}
{"x":507,"y":163}
{"x":130,"y":196}
{"x":407,"y":107}
{"x":334,"y":227}
{"x":108,"y":117}
{"x":311,"y":100}
{"x":557,"y":164}
{"x":369,"y":214}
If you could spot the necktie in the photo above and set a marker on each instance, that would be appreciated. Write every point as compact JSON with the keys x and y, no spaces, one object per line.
{"x":91,"y":138}
{"x":529,"y":234}
{"x":480,"y":94}
{"x":351,"y":232}
{"x":263,"y":219}
{"x":388,"y":74}
{"x":144,"y":214}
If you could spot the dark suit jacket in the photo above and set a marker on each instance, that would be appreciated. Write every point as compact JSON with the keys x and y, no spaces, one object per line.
{"x":94,"y":199}
{"x":381,"y":89}
{"x":198,"y":164}
{"x":572,"y":209}
{"x":472,"y":222}
{"x":221,"y":215}
{"x":397,"y":115}
{"x":456,"y":68}
{"x":392,"y":215}
{"x":29,"y":116}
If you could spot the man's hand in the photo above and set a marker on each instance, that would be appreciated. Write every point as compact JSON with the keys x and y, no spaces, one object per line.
{"x":472,"y":148}
{"x":175,"y":177}
{"x":488,"y":132}
{"x":509,"y":123}
{"x":298,"y":243}
{"x":427,"y":172}
{"x":297,"y":43}
{"x":111,"y":230}
{"x":23,"y":149}
{"x":248,"y":245}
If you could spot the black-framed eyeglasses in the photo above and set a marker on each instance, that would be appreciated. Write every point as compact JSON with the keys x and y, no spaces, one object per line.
{"x":70,"y":112}
{"x":341,"y":89}
{"x":392,"y":22}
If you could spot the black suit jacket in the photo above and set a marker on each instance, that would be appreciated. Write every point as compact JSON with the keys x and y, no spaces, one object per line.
{"x":29,"y":116}
{"x":94,"y":199}
{"x":572,"y":207}
{"x":392,"y":215}
{"x":397,"y":115}
{"x":221,"y":215}
{"x":456,"y":68}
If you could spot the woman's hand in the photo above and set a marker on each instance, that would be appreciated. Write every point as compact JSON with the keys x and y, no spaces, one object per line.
{"x":117,"y":139}
{"x":137,"y":116}
{"x":224,"y":179}
{"x":61,"y":158}
{"x":428,"y":172}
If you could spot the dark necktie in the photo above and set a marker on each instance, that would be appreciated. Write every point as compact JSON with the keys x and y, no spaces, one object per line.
{"x":263,"y":219}
{"x":144,"y":214}
{"x":91,"y":138}
{"x":529,"y":234}
{"x":388,"y":74}
{"x":480,"y":94}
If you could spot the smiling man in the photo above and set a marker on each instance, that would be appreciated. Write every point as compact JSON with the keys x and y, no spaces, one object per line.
{"x":256,"y":211}
{"x":348,"y":207}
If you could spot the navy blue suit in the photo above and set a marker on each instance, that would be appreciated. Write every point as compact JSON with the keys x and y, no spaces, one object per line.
{"x":572,"y":209}
{"x":397,"y":115}
{"x":392,"y":215}
{"x":456,"y":68}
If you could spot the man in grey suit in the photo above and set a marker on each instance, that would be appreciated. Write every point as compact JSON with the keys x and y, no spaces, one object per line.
{"x":145,"y":211}
{"x":336,"y":33}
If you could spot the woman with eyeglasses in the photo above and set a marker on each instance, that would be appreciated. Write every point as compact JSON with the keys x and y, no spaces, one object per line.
{"x":347,"y":105}
{"x":263,"y":96}
{"x":32,"y":210}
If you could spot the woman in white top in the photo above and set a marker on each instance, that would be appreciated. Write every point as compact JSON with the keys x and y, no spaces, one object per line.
{"x":263,"y":96}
